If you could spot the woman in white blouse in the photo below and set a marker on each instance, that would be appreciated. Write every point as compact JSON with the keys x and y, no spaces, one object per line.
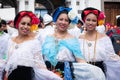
{"x":97,"y":48}
{"x":24,"y":58}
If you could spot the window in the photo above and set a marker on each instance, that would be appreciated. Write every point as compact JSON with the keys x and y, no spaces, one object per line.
{"x":78,"y":3}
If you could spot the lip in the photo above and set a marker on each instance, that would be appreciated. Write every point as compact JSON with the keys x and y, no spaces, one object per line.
{"x":25,"y":31}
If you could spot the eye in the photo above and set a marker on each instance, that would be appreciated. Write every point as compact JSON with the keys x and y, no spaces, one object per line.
{"x":87,"y":19}
{"x":94,"y":20}
{"x":24,"y":23}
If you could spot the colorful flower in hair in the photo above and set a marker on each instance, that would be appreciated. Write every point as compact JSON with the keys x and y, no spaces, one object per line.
{"x":101,"y":18}
{"x":34,"y":27}
{"x":101,"y":28}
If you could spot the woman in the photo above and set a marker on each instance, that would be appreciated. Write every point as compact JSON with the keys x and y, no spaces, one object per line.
{"x":96,"y":47}
{"x":61,"y":48}
{"x":24,"y":58}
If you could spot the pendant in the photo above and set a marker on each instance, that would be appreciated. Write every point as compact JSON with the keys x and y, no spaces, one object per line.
{"x":89,"y":44}
{"x":16,"y":47}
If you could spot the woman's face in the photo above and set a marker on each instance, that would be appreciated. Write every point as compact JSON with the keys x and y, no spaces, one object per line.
{"x":24,"y":25}
{"x":91,"y":21}
{"x":62,"y":22}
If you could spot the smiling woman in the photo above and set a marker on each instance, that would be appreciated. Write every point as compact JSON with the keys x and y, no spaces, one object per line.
{"x":24,"y":58}
{"x":96,"y":47}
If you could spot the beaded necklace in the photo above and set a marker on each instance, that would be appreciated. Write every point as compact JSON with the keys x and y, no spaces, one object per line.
{"x":89,"y":45}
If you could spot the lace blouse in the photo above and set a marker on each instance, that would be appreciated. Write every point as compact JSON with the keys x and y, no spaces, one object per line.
{"x":27,"y":53}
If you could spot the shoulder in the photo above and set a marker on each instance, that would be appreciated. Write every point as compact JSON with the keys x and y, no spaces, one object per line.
{"x":82,"y":36}
{"x":100,"y":35}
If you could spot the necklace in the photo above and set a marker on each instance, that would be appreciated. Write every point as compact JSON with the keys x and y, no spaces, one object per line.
{"x":89,"y":45}
{"x":16,"y":46}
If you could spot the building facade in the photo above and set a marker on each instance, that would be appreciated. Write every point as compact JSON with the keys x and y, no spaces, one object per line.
{"x":40,"y":7}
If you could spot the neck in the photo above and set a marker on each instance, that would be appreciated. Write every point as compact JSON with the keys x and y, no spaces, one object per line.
{"x":61,"y":34}
{"x":91,"y":32}
{"x":91,"y":35}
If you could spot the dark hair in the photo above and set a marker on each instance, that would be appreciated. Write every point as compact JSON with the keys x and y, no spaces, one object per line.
{"x":118,"y":21}
{"x":2,"y":22}
{"x":41,"y":22}
{"x":79,"y":21}
{"x":89,"y":8}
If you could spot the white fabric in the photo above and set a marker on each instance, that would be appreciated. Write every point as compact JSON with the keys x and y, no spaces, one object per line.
{"x":84,"y":71}
{"x":47,"y":19}
{"x":103,"y":49}
{"x":101,"y":29}
{"x":65,"y":55}
{"x":75,"y":31}
{"x":3,"y":44}
{"x":4,"y":38}
{"x":48,"y":30}
{"x":28,"y":54}
{"x":42,"y":74}
{"x":12,"y":31}
{"x":105,"y":53}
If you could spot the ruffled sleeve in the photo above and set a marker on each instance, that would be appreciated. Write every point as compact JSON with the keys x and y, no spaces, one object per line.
{"x":38,"y":58}
{"x":112,"y":61}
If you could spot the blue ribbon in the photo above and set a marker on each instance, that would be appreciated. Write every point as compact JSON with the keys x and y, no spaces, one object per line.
{"x":58,"y":11}
{"x":67,"y":71}
{"x":75,"y":20}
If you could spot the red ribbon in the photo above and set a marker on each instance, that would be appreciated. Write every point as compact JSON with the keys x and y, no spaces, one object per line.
{"x":86,"y":12}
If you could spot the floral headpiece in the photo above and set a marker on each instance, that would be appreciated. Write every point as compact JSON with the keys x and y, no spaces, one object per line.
{"x":101,"y":18}
{"x":58,"y":11}
{"x":21,"y":14}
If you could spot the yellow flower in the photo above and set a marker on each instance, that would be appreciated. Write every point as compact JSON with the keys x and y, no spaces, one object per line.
{"x":34,"y":27}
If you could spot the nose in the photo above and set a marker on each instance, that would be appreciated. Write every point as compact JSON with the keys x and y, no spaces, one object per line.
{"x":63,"y":21}
{"x":90,"y":22}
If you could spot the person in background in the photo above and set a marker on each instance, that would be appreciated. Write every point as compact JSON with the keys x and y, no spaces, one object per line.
{"x":12,"y":31}
{"x":115,"y":36}
{"x":48,"y":26}
{"x":11,"y":23}
{"x":4,"y":38}
{"x":80,"y":25}
{"x":62,"y":50}
{"x":24,"y":58}
{"x":41,"y":25}
{"x":4,"y":25}
{"x":97,"y":48}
